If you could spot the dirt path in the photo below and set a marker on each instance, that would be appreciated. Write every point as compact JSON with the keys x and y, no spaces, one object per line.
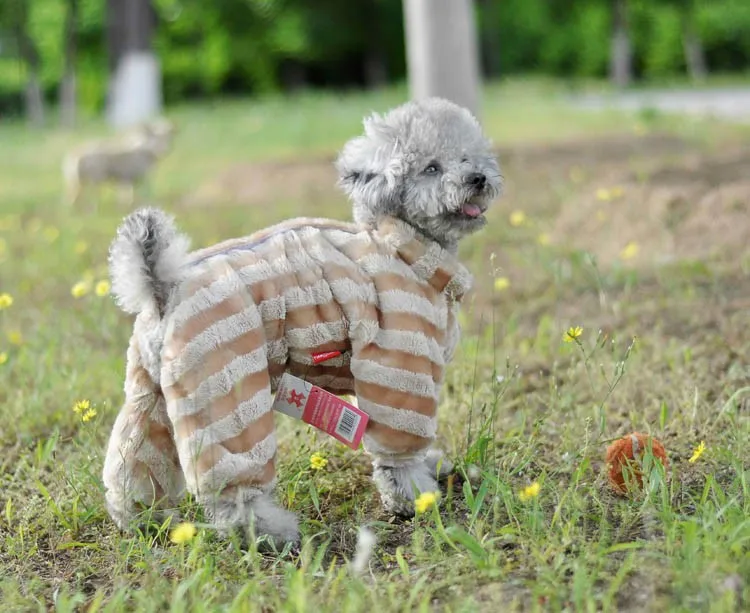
{"x":730,"y":103}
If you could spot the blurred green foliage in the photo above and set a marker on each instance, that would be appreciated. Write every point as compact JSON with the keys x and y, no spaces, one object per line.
{"x":256,"y":46}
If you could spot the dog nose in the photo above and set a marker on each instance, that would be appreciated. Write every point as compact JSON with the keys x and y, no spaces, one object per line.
{"x":477,"y":179}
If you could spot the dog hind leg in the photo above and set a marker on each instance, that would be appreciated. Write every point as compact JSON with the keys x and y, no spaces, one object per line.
{"x":141,"y":468}
{"x":225,"y":433}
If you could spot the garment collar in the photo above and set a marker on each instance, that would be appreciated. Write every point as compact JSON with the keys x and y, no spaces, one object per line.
{"x":431,"y":262}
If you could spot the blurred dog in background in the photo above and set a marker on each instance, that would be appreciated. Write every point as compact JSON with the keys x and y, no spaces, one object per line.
{"x":123,"y":161}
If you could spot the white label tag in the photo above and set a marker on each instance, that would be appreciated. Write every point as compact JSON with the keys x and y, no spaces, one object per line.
{"x":317,"y":407}
{"x":291,"y":396}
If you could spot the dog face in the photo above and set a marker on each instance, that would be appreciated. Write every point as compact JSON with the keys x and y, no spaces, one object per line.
{"x":425,"y":162}
{"x":158,"y":135}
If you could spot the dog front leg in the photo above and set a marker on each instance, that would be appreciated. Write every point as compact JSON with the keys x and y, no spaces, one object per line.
{"x":400,"y":479}
{"x":404,"y":465}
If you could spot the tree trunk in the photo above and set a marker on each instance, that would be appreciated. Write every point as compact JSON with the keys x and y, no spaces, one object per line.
{"x":293,"y":76}
{"x":490,"y":40}
{"x":441,"y":45}
{"x":27,"y":50}
{"x":34,"y":99}
{"x":68,"y":97}
{"x":134,"y":93}
{"x":374,"y":68}
{"x":621,"y":58}
{"x":695,"y":56}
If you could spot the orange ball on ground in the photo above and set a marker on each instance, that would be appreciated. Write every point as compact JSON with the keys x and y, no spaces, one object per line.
{"x":626,"y":455}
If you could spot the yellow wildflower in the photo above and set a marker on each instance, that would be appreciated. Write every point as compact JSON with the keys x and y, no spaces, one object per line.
{"x":529,"y":492}
{"x":605,"y":195}
{"x":543,"y":239}
{"x":9,"y":222}
{"x":15,"y":337}
{"x":3,"y":357}
{"x":576,"y":174}
{"x":81,"y":407}
{"x":102,"y":288}
{"x":80,"y":289}
{"x":6,"y":300}
{"x":88,"y":415}
{"x":80,"y":247}
{"x":502,"y":283}
{"x":572,"y":334}
{"x":318,"y":461}
{"x":517,"y":218}
{"x":629,"y":251}
{"x":425,"y":501}
{"x":182,"y":533}
{"x":698,"y":452}
{"x":51,"y":233}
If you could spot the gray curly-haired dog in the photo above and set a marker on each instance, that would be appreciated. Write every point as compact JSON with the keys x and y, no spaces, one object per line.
{"x":124,"y":161}
{"x":216,"y":329}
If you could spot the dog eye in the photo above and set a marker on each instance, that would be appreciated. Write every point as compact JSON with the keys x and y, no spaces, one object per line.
{"x":432,"y":168}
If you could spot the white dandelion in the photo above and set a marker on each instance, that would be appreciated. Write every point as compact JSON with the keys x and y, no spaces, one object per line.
{"x":365,"y":546}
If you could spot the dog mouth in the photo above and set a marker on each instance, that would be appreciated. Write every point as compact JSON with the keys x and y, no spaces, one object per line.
{"x":469,"y":211}
{"x":472,"y":209}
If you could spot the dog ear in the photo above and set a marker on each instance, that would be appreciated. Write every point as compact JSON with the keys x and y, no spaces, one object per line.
{"x":369,"y":168}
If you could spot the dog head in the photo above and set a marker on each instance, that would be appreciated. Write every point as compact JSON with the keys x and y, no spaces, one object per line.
{"x":157,"y":135}
{"x":426,"y":162}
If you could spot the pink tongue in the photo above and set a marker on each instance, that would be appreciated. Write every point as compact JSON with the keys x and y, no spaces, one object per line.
{"x":472,"y":210}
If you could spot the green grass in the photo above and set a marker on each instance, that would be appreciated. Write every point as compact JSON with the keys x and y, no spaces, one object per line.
{"x":519,"y":405}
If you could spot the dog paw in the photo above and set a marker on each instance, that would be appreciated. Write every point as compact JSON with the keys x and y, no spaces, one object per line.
{"x":274,"y":525}
{"x":399,"y":486}
{"x":438,"y":465}
{"x":258,"y":518}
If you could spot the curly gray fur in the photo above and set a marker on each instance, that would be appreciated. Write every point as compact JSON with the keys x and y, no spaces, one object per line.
{"x":426,"y":162}
{"x":145,"y":259}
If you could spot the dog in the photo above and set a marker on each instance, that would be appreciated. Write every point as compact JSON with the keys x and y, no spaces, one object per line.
{"x":124,"y":162}
{"x":216,"y":329}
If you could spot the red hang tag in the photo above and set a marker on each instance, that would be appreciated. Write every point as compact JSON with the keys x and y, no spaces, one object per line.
{"x":321,"y":409}
{"x":324,"y":356}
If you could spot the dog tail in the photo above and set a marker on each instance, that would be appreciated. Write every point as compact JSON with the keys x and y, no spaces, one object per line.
{"x":145,"y":259}
{"x":71,"y":176}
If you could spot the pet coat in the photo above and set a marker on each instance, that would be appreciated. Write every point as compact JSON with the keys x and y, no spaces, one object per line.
{"x":200,"y":384}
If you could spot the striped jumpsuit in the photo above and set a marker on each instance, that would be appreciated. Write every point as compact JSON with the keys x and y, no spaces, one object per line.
{"x":246,"y":311}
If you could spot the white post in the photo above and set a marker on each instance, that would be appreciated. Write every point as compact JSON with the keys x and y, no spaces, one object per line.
{"x":135,"y":89}
{"x":441,"y":51}
{"x":135,"y":93}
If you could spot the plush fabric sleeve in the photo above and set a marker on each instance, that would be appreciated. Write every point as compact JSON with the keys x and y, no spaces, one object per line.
{"x":452,"y":333}
{"x":397,"y":381}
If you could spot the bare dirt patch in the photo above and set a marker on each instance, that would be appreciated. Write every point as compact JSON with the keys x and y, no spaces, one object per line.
{"x":268,"y":183}
{"x":666,"y":197}
{"x":685,"y":207}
